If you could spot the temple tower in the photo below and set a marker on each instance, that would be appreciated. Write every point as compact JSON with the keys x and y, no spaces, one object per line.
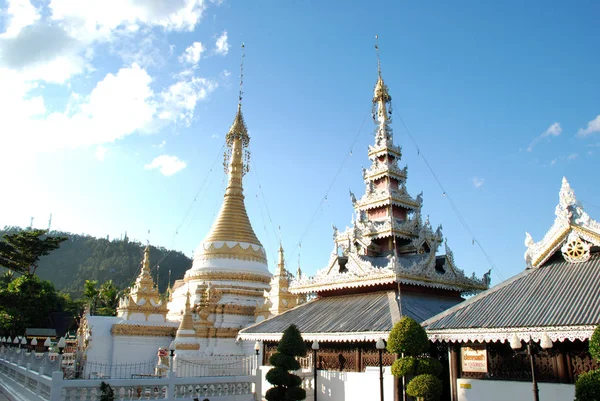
{"x":229,"y":273}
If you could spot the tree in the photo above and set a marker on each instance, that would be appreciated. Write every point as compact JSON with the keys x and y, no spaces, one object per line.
{"x":21,"y":251}
{"x":91,"y":293}
{"x":409,"y":339}
{"x":587,"y":386}
{"x":109,"y":297}
{"x":28,"y":302}
{"x":287,"y":385}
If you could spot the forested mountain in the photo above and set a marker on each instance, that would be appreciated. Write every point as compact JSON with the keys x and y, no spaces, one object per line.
{"x":83,"y":257}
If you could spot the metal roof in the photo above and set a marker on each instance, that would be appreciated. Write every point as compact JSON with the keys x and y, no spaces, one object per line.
{"x":558,"y":293}
{"x":364,"y":316}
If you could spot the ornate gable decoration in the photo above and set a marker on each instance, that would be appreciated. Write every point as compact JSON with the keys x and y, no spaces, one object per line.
{"x":574,"y":232}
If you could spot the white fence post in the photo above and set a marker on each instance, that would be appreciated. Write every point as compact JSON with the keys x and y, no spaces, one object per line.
{"x":170,"y":394}
{"x":57,"y":384}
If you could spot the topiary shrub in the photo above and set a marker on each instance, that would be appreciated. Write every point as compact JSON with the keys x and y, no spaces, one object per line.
{"x":287,"y":385}
{"x":425,"y":387}
{"x":407,"y":337}
{"x":429,"y":366}
{"x":595,"y":344}
{"x":587,"y":386}
{"x":106,"y":392}
{"x":404,"y":366}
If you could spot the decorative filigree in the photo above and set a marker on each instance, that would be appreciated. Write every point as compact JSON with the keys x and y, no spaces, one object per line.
{"x":504,"y":334}
{"x":575,"y":250}
{"x":226,"y":276}
{"x":232,"y":250}
{"x":142,"y":330}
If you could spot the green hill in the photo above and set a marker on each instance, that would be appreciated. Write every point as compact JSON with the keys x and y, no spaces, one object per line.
{"x":83,"y":257}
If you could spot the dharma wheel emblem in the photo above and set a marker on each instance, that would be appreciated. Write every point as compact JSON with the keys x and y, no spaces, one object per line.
{"x":575,"y":250}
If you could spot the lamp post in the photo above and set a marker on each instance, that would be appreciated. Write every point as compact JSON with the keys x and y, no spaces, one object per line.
{"x":61,"y":345}
{"x":16,"y":342}
{"x":315,"y":348}
{"x":34,"y":344}
{"x":380,"y":345}
{"x":47,"y":344}
{"x":257,"y":350}
{"x":24,"y":343}
{"x":171,"y":355}
{"x":8,"y":342}
{"x":546,"y":343}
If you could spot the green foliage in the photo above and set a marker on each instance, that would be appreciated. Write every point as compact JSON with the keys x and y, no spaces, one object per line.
{"x":404,"y":366}
{"x":587,"y":386}
{"x":278,"y":376}
{"x":408,"y":337}
{"x":287,"y":385}
{"x":295,"y":394}
{"x":291,"y":342}
{"x":429,"y":366}
{"x":83,"y":258}
{"x":106,"y":392}
{"x":28,"y":301}
{"x":21,"y":251}
{"x":284,"y":361}
{"x":428,"y":387}
{"x":595,"y":344}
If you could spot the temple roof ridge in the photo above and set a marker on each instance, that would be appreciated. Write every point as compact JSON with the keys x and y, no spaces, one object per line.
{"x":573,"y":232}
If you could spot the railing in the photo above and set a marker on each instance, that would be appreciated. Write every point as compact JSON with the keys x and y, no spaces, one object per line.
{"x":38,"y":377}
{"x":231,"y":366}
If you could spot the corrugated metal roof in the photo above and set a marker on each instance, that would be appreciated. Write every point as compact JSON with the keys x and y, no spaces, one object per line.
{"x":356,"y":313}
{"x":557,"y":294}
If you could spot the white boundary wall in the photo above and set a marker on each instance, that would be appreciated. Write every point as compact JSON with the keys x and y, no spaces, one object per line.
{"x":500,"y":390}
{"x":339,"y":386}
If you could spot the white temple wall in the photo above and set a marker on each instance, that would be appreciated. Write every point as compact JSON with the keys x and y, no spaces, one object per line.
{"x":132,"y":349}
{"x":496,"y":390}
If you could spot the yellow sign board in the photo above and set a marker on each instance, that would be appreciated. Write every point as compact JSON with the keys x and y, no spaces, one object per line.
{"x":465,"y":385}
{"x":474,"y":359}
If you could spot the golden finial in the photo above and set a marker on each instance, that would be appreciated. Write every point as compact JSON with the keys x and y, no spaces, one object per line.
{"x":381,"y":96}
{"x":377,"y":52}
{"x":146,"y":262}
{"x":242,"y":76}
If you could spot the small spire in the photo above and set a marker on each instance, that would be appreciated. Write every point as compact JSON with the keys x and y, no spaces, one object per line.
{"x":146,"y":262}
{"x":299,"y":271}
{"x":281,"y":263}
{"x":381,"y":96}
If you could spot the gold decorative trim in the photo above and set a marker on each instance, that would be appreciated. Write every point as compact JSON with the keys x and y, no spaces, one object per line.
{"x":140,"y":330}
{"x":227,"y":276}
{"x":560,"y":238}
{"x":235,"y":252}
{"x":187,"y":347}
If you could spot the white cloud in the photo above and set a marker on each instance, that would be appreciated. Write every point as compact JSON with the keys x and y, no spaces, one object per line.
{"x":592,"y":127}
{"x":192,"y":54}
{"x":221,"y":45}
{"x":101,"y":152}
{"x":478,"y":182}
{"x":160,"y":145}
{"x":572,"y":156}
{"x":166,"y":164}
{"x":100,"y":19}
{"x":19,"y":14}
{"x":553,"y":130}
{"x":179,"y":100}
{"x":119,"y":105}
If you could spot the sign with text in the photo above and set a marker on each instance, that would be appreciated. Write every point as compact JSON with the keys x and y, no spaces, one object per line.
{"x":474,"y":358}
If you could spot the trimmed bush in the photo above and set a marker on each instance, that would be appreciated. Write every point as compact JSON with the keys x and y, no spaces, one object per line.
{"x":291,"y":342}
{"x":287,"y":385}
{"x":587,"y":386}
{"x":404,"y":366}
{"x":284,"y":361}
{"x":428,"y":387}
{"x":595,"y":344}
{"x":429,"y":366}
{"x":407,"y":337}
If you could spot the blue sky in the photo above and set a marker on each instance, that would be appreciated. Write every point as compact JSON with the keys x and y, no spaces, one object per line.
{"x":113,"y":116}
